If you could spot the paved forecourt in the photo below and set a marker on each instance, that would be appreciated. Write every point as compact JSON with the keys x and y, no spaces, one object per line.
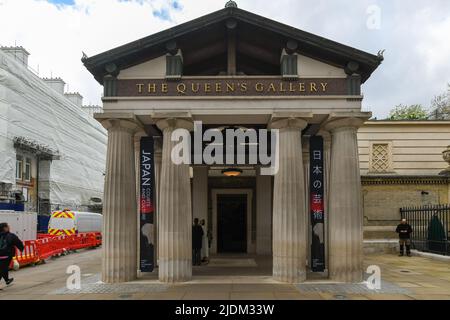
{"x":230,"y":278}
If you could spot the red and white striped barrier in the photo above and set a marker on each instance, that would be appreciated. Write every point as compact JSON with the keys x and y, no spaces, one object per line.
{"x":47,"y":246}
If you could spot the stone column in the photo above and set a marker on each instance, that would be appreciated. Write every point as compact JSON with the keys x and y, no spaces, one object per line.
{"x":158,"y":161}
{"x":289,"y":214}
{"x":306,"y":161}
{"x":119,"y":255}
{"x":263,"y":214}
{"x":137,"y":161}
{"x":200,"y":193}
{"x":175,"y":211}
{"x":200,"y":199}
{"x":345,"y":205}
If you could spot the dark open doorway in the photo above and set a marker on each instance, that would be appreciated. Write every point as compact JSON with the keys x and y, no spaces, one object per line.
{"x":231,"y":223}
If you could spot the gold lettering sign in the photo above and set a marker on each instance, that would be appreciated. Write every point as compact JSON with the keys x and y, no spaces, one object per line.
{"x":223,"y":87}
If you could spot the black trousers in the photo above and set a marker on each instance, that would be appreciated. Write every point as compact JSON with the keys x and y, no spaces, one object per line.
{"x":196,"y":257}
{"x":405,"y":243}
{"x":4,"y":268}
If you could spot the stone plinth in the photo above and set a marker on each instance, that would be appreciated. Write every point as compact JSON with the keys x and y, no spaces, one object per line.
{"x":446,"y":157}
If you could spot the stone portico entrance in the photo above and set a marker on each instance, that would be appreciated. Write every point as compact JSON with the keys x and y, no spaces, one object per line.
{"x":215,"y":69}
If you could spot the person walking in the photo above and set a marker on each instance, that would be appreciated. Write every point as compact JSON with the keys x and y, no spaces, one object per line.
{"x":197,"y":237}
{"x":8,"y":244}
{"x":404,"y":231}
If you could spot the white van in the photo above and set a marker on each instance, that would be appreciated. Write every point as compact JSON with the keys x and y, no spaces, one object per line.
{"x":71,"y":222}
{"x":23,"y":224}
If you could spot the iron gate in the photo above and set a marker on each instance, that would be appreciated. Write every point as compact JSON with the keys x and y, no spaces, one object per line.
{"x":430,"y":226}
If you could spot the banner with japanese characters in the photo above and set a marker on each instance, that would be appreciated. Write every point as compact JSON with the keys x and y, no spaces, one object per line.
{"x":146,"y":204}
{"x":317,"y":204}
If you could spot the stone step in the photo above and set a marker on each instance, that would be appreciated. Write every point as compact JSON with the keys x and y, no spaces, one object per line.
{"x":380,"y":246}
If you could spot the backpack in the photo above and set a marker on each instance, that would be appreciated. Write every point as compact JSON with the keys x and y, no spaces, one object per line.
{"x":4,"y":248}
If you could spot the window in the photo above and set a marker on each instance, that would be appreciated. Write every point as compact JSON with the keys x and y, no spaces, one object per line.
{"x":380,"y":158}
{"x":28,"y":169}
{"x":19,"y":168}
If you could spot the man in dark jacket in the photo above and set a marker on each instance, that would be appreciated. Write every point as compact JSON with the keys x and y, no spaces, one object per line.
{"x":8,"y":244}
{"x":197,"y":237}
{"x":404,"y":231}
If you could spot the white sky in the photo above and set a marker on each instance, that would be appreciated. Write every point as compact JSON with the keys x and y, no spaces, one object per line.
{"x":415,"y":34}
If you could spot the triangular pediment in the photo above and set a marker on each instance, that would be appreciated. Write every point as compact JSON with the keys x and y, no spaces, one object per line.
{"x":259,"y":43}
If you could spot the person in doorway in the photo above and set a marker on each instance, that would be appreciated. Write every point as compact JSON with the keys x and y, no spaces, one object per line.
{"x":205,"y":246}
{"x":404,"y":231}
{"x":8,"y":244}
{"x":197,"y":237}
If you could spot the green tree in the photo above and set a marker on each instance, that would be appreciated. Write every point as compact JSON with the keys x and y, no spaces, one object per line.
{"x":440,"y":106}
{"x":412,"y":112}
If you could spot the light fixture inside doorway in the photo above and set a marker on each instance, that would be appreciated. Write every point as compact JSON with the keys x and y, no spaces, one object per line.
{"x":232,"y":172}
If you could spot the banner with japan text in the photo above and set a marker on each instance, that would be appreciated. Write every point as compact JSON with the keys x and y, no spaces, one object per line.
{"x":147,"y":205}
{"x":317,"y":204}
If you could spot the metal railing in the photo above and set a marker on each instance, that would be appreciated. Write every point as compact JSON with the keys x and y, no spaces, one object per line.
{"x":430,"y":226}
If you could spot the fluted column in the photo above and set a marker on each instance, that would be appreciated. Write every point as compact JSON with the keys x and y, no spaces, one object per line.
{"x":119,"y":255}
{"x":289,"y":211}
{"x":158,"y":160}
{"x":306,"y":161}
{"x":345,"y":207}
{"x":264,"y":214}
{"x":175,"y":211}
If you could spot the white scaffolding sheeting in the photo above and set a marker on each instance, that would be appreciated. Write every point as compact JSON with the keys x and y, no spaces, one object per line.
{"x":31,"y":109}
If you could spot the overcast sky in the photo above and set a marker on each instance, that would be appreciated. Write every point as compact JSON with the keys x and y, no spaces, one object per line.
{"x":415,"y":35}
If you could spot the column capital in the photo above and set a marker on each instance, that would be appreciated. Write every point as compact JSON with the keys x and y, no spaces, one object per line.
{"x":175,"y":123}
{"x":326,"y":135}
{"x":127,"y":122}
{"x":336,"y":123}
{"x":291,"y":122}
{"x":140,"y":134}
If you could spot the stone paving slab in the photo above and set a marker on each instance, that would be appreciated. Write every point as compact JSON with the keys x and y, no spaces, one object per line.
{"x":424,"y":279}
{"x":352,"y":288}
{"x":93,"y":285}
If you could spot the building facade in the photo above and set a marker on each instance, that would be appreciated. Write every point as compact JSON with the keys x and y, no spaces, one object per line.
{"x":234,"y":69}
{"x":402,"y":165}
{"x":52,"y":153}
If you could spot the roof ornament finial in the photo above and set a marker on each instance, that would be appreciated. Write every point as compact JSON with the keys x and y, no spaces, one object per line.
{"x":84,"y":57}
{"x":231,"y":4}
{"x":380,"y":54}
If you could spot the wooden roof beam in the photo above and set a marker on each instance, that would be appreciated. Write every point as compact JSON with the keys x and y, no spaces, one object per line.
{"x":231,"y":46}
{"x":204,"y":53}
{"x":257,"y":52}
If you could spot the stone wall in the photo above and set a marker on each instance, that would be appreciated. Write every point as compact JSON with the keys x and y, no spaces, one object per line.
{"x":413,"y":148}
{"x":383,"y":198}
